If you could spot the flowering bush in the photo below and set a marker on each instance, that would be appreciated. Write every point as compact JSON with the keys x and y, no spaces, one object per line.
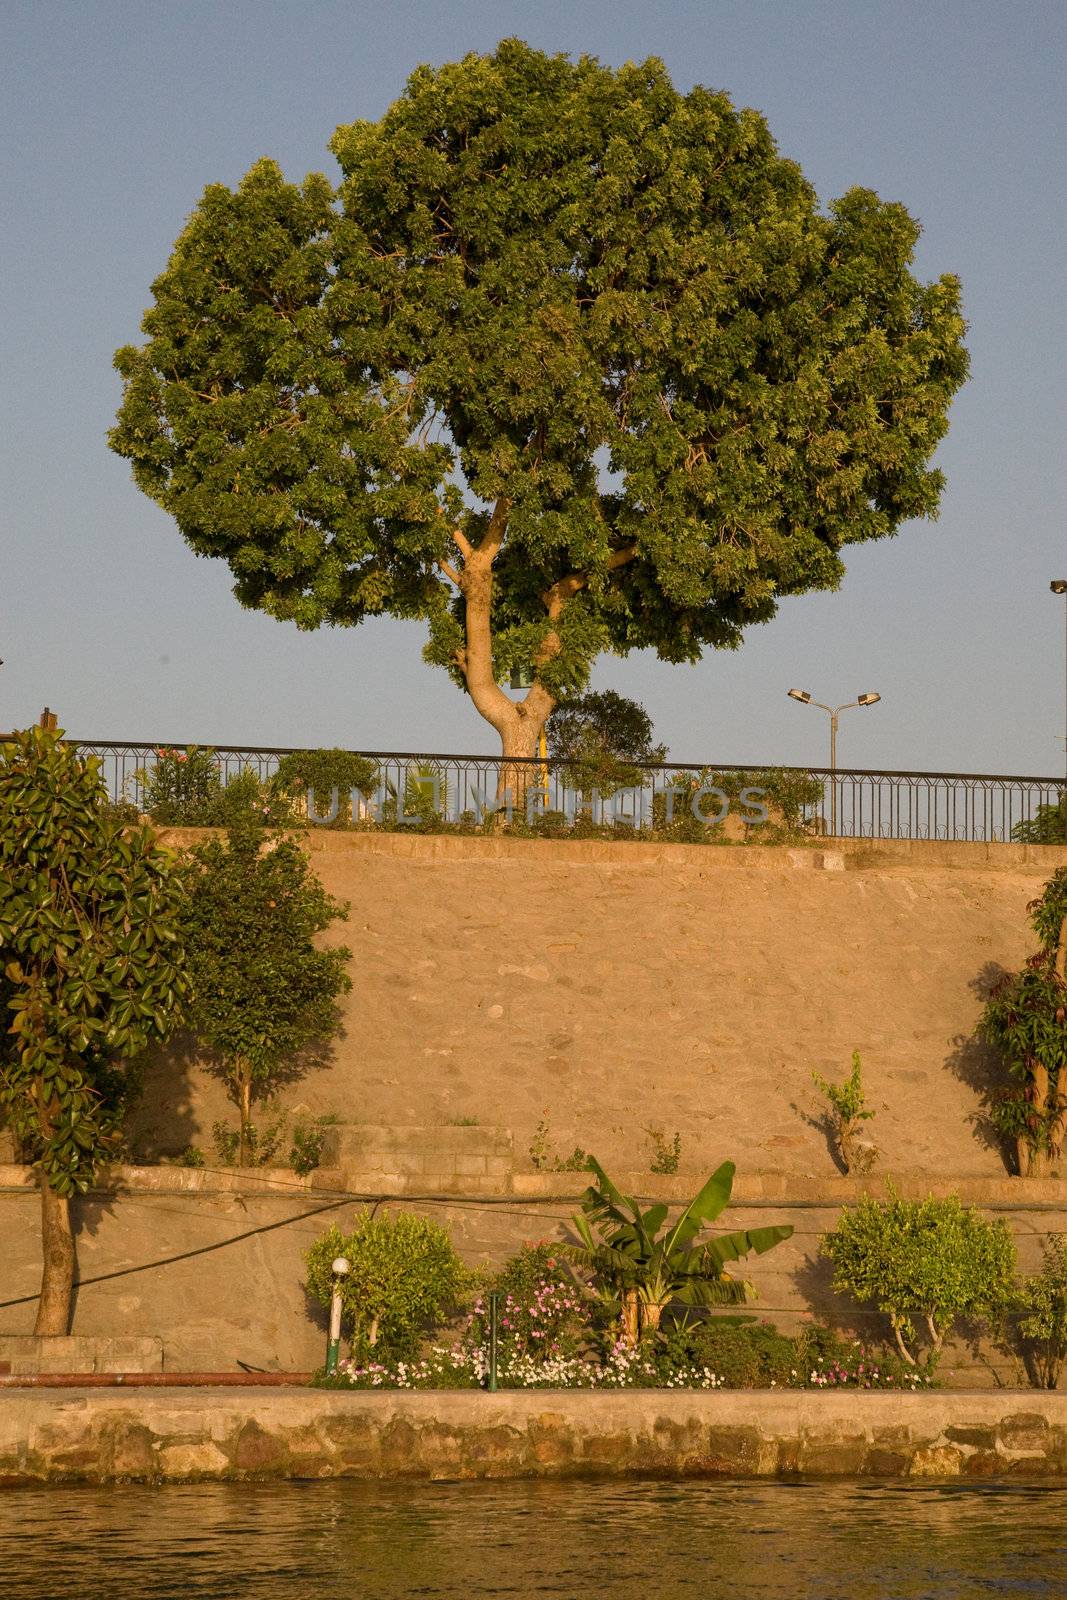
{"x":543,"y":1312}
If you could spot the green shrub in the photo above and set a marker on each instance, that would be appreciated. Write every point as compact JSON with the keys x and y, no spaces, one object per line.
{"x":922,"y":1262}
{"x":305,"y":1151}
{"x":847,"y":1109}
{"x":404,"y":1276}
{"x":665,"y":1154}
{"x":320,"y":772}
{"x":1042,"y":1308}
{"x":543,"y":1313}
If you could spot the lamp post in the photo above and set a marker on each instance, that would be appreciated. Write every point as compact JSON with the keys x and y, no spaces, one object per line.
{"x":333,"y":1349}
{"x":834,"y":713}
{"x":1059,"y":586}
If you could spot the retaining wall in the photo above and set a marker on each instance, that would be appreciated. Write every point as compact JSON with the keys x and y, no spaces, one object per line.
{"x":211,"y":1262}
{"x":89,"y":1436}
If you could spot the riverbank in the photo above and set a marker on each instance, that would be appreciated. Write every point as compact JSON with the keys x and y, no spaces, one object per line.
{"x":94,"y":1436}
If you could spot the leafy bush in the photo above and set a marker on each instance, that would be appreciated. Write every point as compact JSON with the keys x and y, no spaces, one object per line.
{"x":544,"y":1157}
{"x":602,"y":741}
{"x":1048,"y":825}
{"x":1042,"y":1307}
{"x":543,"y":1312}
{"x":1025,"y":1019}
{"x":665,"y":1155}
{"x":305,"y":1152}
{"x":404,"y":1275}
{"x":260,"y":1144}
{"x":182,"y":788}
{"x":319,"y":773}
{"x":847,"y":1109}
{"x":930,"y":1261}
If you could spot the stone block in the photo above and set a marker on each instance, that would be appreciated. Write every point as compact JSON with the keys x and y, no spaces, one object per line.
{"x":25,"y":1354}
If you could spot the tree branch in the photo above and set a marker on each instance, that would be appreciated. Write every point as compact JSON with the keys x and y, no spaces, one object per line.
{"x":450,"y":572}
{"x":564,"y":589}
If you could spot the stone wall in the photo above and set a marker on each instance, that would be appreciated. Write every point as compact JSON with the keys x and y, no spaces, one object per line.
{"x":609,"y":987}
{"x":99,"y":1436}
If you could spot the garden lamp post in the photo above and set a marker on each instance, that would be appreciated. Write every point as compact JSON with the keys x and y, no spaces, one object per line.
{"x":834,"y":713}
{"x":1059,"y":586}
{"x":339,"y":1268}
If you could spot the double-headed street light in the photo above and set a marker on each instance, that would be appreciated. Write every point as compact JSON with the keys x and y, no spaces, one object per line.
{"x":834,"y":713}
{"x":1059,"y":586}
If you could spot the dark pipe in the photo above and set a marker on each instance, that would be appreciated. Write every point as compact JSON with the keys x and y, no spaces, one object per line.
{"x":153,"y":1380}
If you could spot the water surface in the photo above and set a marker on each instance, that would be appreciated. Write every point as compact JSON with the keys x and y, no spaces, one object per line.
{"x":596,"y":1541}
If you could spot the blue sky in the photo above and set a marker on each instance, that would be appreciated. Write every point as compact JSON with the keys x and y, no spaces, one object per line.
{"x":116,"y":115}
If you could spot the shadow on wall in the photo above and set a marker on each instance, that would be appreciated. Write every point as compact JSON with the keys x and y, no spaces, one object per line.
{"x":980,"y":1067}
{"x":162,"y":1122}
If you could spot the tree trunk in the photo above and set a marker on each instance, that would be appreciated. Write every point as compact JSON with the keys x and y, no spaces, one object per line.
{"x":244,"y":1147}
{"x":518,"y":723}
{"x":630,"y":1317}
{"x":516,"y":774}
{"x":57,"y":1275}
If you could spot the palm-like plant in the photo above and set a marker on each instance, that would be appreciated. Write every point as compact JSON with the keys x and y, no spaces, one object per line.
{"x":641,"y":1269}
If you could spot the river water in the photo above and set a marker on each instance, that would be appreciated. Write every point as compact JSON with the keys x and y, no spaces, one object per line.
{"x":590,"y":1541}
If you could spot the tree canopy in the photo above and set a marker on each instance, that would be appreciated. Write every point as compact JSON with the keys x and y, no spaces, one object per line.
{"x":569,"y":362}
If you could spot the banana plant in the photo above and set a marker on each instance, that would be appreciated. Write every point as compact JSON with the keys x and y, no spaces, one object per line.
{"x":640,"y":1268}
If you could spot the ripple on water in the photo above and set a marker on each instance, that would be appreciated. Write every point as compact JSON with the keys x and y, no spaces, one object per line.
{"x":596,"y":1541}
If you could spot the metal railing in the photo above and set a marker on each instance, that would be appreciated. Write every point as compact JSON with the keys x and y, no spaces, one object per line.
{"x":866,"y":804}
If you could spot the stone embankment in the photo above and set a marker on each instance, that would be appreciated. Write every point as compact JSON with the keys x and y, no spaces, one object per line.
{"x":98,"y":1437}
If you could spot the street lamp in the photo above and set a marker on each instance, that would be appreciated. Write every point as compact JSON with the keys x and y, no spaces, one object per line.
{"x":834,"y":713}
{"x":1059,"y":586}
{"x":340,"y":1269}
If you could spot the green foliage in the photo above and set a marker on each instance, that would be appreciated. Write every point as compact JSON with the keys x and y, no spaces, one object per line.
{"x":261,"y":1144}
{"x":543,"y":1312}
{"x":747,"y":1355}
{"x":1025,"y":1019}
{"x":533,"y":266}
{"x":544,"y":1157}
{"x":264,"y":994}
{"x":1048,"y":825}
{"x":90,"y":955}
{"x":930,"y":1261}
{"x":305,"y":1152}
{"x":404,"y":1275}
{"x":602,"y":741}
{"x":1041,"y":1304}
{"x":184,"y":789}
{"x":641,"y":1265}
{"x":847,"y":1109}
{"x":320,"y":772}
{"x":784,"y":797}
{"x":665,"y":1155}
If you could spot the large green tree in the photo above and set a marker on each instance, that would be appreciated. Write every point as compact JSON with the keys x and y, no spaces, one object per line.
{"x":91,"y":972}
{"x":569,"y":362}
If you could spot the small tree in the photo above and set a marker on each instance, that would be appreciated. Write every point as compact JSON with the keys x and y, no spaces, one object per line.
{"x":602,"y":741}
{"x":847,"y":1110}
{"x":1026,"y":1020}
{"x":1048,"y":825}
{"x":1042,"y":1307}
{"x":264,"y":995}
{"x":92,"y":973}
{"x":403,"y":1275}
{"x":922,"y":1261}
{"x":639,"y":1270}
